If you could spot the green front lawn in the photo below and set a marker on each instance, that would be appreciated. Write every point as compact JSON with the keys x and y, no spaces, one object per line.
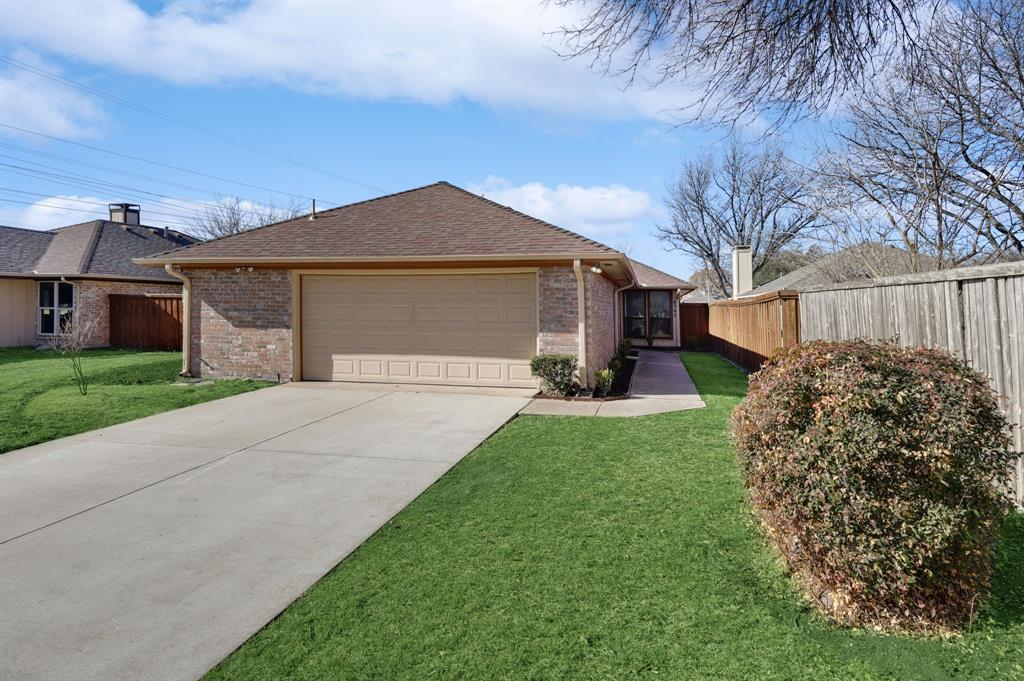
{"x":591,"y":548}
{"x":39,"y":400}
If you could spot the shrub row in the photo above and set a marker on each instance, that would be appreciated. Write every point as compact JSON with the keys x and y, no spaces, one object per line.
{"x":878,"y":471}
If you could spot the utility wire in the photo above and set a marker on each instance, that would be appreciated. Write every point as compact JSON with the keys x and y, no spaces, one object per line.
{"x":84,"y":201}
{"x":109,"y":169}
{"x":158,"y":163}
{"x":87,"y":184}
{"x":77,"y":210}
{"x":179,"y":121}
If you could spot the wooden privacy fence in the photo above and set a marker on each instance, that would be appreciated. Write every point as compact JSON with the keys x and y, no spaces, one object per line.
{"x":693,"y":326}
{"x":146,"y":322}
{"x":977,"y":313}
{"x":747,"y":331}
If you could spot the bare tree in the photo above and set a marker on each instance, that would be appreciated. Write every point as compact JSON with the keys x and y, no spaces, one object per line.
{"x":68,"y":341}
{"x":781,"y":56}
{"x":933,"y":161}
{"x":748,"y":195}
{"x":232,"y":215}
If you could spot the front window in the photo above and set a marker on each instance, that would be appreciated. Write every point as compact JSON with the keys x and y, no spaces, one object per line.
{"x":647,"y":314}
{"x":56,"y":306}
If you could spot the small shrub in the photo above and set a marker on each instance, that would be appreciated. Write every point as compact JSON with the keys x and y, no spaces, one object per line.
{"x":558,"y":373}
{"x":622,"y":351}
{"x":604,"y":379}
{"x":879,"y":473}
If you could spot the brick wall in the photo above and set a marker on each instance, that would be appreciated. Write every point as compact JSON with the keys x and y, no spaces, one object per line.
{"x":600,"y":296}
{"x":558,"y":314}
{"x":241,"y":324}
{"x":92,"y":302}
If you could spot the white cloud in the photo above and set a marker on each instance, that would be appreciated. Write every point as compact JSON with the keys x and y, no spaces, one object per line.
{"x":30,"y":101}
{"x":599,"y":212}
{"x":51,"y":212}
{"x":493,"y":53}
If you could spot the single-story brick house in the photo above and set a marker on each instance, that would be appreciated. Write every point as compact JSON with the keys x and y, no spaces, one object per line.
{"x":430,"y":285}
{"x":70,"y":272}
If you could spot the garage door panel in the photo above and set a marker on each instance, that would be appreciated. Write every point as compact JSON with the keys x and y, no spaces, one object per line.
{"x":460,"y":329}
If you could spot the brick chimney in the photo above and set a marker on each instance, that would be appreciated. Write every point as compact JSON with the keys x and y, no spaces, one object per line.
{"x":124,"y":213}
{"x":742,"y":271}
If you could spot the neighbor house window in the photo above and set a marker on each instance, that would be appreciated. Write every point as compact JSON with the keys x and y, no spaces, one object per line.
{"x":56,"y":306}
{"x":647,"y":313}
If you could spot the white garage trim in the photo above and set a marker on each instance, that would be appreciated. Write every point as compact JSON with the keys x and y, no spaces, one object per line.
{"x":406,"y":332}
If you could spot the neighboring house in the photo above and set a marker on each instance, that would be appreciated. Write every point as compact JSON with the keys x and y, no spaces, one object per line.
{"x":68,"y":273}
{"x":864,"y":261}
{"x":431,"y":285}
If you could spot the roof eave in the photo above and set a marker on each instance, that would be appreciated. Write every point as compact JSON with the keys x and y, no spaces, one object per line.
{"x":579,"y":255}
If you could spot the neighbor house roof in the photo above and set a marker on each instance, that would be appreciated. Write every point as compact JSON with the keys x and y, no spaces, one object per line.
{"x":649,"y":277}
{"x":99,"y":248}
{"x":438,"y":220}
{"x":861,"y":261}
{"x":21,"y":249}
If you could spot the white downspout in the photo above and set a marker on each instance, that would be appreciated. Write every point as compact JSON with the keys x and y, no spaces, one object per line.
{"x":582,"y":316}
{"x":186,"y":318}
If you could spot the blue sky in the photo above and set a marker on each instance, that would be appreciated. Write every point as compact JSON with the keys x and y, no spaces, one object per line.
{"x":390,"y":95}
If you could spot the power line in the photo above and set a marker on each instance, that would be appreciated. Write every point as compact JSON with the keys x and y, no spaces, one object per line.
{"x":85,"y":201}
{"x":179,"y":121}
{"x":81,"y":182}
{"x":76,"y":210}
{"x":158,"y":163}
{"x":109,"y":169}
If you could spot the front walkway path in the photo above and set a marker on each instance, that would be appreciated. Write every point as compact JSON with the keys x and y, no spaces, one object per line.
{"x":660,"y":384}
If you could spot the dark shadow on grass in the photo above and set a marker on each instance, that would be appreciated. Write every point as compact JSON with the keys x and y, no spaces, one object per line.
{"x":1005,"y":607}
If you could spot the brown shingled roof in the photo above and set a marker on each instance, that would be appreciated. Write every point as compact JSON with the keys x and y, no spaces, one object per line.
{"x":648,"y":277}
{"x":436,"y":220}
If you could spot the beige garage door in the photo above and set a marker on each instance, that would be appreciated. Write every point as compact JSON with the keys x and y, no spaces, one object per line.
{"x":458,"y":329}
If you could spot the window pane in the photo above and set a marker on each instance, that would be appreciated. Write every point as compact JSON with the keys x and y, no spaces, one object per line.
{"x":46,"y":319}
{"x":634,"y":304}
{"x":65,"y":294}
{"x":661,"y":327}
{"x":46,"y":294}
{"x":661,"y":304}
{"x":634,"y":327}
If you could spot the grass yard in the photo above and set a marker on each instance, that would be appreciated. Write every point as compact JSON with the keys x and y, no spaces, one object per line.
{"x":594,"y":548}
{"x":39,"y":400}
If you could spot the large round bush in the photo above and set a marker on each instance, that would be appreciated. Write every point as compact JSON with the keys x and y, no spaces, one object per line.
{"x":880,"y":473}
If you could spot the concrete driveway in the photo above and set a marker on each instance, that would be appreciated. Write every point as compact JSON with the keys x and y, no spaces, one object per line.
{"x":152,"y":549}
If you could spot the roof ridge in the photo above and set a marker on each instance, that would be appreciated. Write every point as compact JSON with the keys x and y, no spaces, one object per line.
{"x":278,"y":222}
{"x":90,"y":248}
{"x":27,"y":229}
{"x":525,"y":215}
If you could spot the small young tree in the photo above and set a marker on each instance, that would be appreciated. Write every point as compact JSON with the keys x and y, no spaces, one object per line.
{"x":68,"y":342}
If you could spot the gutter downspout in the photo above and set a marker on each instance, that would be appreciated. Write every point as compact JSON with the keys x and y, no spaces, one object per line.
{"x":186,"y":318}
{"x":582,"y":316}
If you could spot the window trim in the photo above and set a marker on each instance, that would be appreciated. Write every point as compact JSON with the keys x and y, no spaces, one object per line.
{"x":56,"y":307}
{"x":647,"y":315}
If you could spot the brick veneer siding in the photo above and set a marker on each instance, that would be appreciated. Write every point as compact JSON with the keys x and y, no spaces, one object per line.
{"x":600,"y":297}
{"x":241,"y":324}
{"x":558,"y":314}
{"x":92,"y":301}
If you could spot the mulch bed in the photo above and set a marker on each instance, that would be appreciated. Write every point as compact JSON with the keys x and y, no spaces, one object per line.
{"x":619,"y":391}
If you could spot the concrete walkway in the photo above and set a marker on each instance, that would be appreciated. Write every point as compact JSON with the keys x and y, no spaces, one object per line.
{"x":660,"y":385}
{"x":152,"y":549}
